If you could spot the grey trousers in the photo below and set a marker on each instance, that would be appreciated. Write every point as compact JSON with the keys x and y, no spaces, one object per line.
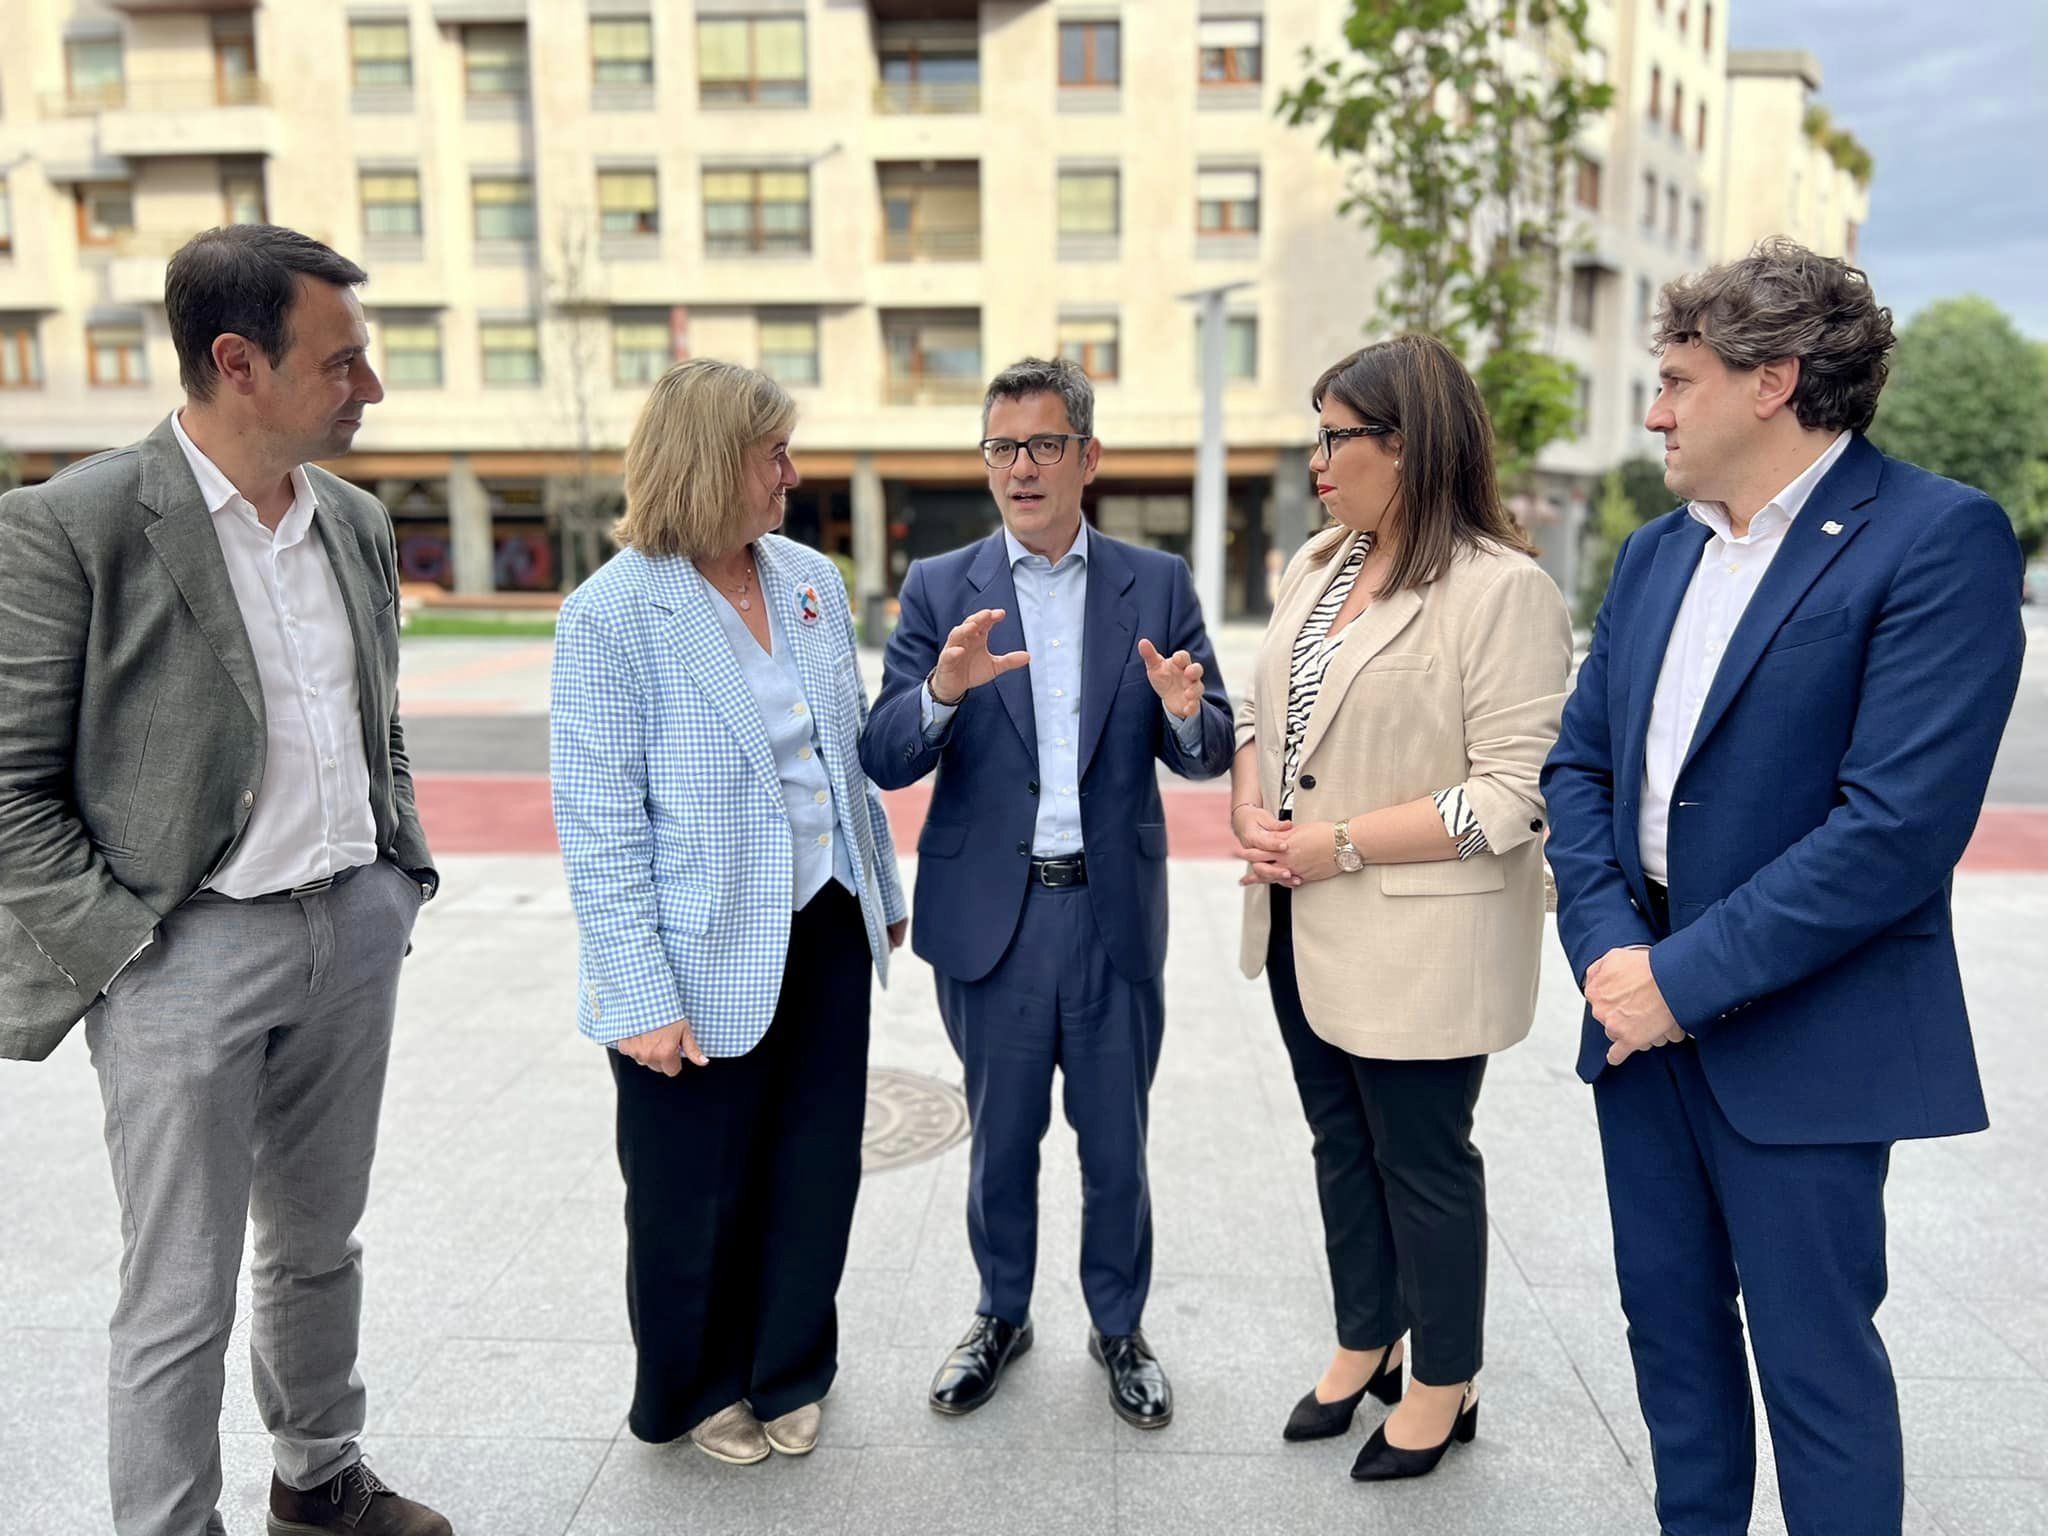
{"x":241,"y":1061}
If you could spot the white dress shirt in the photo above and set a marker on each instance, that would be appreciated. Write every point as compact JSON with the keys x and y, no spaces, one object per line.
{"x":312,"y":818}
{"x":1729,"y":572}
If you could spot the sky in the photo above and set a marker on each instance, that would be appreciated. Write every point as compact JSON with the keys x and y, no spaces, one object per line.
{"x":1951,"y":99}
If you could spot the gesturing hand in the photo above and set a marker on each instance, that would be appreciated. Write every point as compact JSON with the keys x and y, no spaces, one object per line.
{"x":663,"y":1049}
{"x":1177,"y":679}
{"x":965,"y":662}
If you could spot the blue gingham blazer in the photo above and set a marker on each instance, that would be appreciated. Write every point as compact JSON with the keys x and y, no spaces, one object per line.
{"x":670,"y":814}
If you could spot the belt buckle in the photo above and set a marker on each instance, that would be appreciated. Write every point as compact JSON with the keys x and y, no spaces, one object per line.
{"x":1057,"y":874}
{"x":311,"y":888}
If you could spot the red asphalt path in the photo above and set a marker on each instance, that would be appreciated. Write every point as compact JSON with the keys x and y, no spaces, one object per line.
{"x":509,"y":814}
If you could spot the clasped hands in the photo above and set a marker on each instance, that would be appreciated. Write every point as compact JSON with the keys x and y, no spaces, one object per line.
{"x":965,"y":663}
{"x":1276,"y":852}
{"x":1622,"y":991}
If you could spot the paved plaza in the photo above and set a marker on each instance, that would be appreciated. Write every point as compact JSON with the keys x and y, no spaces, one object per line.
{"x":498,"y":1361}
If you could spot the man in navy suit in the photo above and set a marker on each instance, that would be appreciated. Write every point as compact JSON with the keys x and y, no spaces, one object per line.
{"x":1773,"y":759}
{"x":1044,"y":672}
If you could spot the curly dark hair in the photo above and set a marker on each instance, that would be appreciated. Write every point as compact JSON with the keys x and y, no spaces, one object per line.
{"x":1782,"y":300}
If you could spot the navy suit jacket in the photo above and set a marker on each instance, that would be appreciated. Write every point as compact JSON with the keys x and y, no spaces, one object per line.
{"x":973,"y":857}
{"x":1830,"y":788}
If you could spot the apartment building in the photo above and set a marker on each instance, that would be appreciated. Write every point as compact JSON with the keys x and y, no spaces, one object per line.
{"x":878,"y":203}
{"x":1782,"y":179}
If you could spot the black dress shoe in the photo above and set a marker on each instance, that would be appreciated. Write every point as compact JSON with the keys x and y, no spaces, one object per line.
{"x":1138,"y":1389}
{"x":968,"y":1377}
{"x":1380,"y":1462}
{"x":1314,"y":1419}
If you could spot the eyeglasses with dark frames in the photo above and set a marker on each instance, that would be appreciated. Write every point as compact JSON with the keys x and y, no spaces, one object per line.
{"x":1044,"y":448}
{"x":1327,"y":438}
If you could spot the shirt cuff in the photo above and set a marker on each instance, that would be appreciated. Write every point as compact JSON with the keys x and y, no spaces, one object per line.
{"x":1187,"y":732}
{"x":932,"y":716}
{"x":1460,"y":822}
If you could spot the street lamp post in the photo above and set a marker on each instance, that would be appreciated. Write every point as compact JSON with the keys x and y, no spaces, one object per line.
{"x":1207,"y":543}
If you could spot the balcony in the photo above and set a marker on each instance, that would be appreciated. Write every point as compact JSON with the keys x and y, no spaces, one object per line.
{"x":931,"y":210}
{"x":931,"y":389}
{"x":203,"y":115}
{"x":919,"y":98}
{"x":931,"y":245}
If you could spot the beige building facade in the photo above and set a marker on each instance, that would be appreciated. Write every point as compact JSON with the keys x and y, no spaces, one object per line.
{"x":881,"y":204}
{"x":1781,"y":180}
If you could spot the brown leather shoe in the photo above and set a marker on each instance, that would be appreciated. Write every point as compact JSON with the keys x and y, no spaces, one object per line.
{"x":354,"y":1503}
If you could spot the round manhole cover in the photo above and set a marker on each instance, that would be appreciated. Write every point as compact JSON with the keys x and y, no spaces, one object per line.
{"x":910,"y":1117}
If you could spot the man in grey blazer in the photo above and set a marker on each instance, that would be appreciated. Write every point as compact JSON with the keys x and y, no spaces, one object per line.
{"x":209,"y":852}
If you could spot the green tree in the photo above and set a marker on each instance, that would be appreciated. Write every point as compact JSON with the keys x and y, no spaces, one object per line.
{"x":1968,"y":398}
{"x":1631,"y":495}
{"x":1456,"y":120}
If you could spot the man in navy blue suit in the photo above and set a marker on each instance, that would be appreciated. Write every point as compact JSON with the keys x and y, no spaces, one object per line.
{"x":1044,"y":672}
{"x":1773,"y":759}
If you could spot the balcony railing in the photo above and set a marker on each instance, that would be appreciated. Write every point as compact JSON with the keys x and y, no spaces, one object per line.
{"x":931,"y":245}
{"x":897,"y":97}
{"x":190,"y":95}
{"x":931,"y":389}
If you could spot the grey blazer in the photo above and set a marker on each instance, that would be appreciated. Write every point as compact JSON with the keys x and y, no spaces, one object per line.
{"x":132,"y":739}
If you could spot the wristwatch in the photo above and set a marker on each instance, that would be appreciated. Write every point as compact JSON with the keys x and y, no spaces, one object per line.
{"x":1349,"y":859}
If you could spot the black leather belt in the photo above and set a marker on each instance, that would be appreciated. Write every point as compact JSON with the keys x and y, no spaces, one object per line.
{"x":1058,"y":873}
{"x":297,"y":892}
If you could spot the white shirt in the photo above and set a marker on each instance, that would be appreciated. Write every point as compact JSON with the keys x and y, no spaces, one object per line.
{"x":1729,"y":572}
{"x":312,"y":816}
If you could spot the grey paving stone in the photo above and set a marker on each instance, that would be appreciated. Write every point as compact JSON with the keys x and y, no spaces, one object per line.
{"x":1051,"y":1399}
{"x":1013,"y":1493}
{"x":1975,"y":1429}
{"x":517,"y":1389}
{"x":1307,"y":1489}
{"x":56,"y":1480}
{"x":52,"y":1381}
{"x":567,"y":1284}
{"x":2006,"y":1506}
{"x":645,"y":1490}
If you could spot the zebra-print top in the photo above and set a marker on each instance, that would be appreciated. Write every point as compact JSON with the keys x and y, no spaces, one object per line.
{"x":1310,"y":659}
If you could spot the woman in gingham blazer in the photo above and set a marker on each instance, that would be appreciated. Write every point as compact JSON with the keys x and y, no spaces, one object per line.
{"x":1385,"y":794}
{"x":733,"y":880}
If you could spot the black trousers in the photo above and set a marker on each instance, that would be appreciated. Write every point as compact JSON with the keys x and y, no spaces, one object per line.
{"x":1403,"y":1188}
{"x":740,"y":1185}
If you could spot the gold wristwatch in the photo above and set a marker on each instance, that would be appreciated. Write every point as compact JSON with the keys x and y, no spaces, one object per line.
{"x":1349,"y":859}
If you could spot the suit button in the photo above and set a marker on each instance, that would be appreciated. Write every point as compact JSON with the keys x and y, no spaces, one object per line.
{"x":1031,"y":788}
{"x":1308,"y":781}
{"x":1536,"y":826}
{"x":1024,"y":850}
{"x":248,"y":798}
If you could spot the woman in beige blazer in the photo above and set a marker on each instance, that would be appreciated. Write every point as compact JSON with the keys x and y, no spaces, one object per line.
{"x":1385,"y":796}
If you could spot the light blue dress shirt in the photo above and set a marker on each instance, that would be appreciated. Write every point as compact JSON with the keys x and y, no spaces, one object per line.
{"x":818,"y":851}
{"x":1052,"y":605}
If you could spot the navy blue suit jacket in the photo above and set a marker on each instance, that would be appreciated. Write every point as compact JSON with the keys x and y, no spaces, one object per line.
{"x":973,"y":857}
{"x":1831,"y":786}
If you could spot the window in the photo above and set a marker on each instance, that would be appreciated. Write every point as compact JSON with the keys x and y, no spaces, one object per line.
{"x":1230,"y":51}
{"x":622,"y":51}
{"x":412,"y":353}
{"x":380,"y":55}
{"x":1226,"y":202}
{"x":1702,"y":115}
{"x":1656,"y":93}
{"x":105,"y":213}
{"x":1585,"y":296}
{"x":628,"y":203}
{"x":1638,"y":401}
{"x":1643,"y":302}
{"x":1585,"y":423}
{"x":1683,"y":18}
{"x":511,"y":351}
{"x":1671,"y":213}
{"x":93,"y":71}
{"x":1090,"y":54}
{"x":1240,"y":348}
{"x":933,"y":357}
{"x":1699,"y":223}
{"x":789,"y":348}
{"x":1091,"y":341}
{"x":1587,"y":194}
{"x":1678,"y":108}
{"x":21,"y":353}
{"x":6,"y":220}
{"x":114,"y":356}
{"x":640,"y":346}
{"x":503,"y":206}
{"x":234,"y":61}
{"x":241,"y":195}
{"x":1088,"y":203}
{"x":391,"y":205}
{"x":1649,"y":199}
{"x":494,"y":61}
{"x":1849,"y":241}
{"x":756,"y":210}
{"x":753,"y":61}
{"x":1707,"y":30}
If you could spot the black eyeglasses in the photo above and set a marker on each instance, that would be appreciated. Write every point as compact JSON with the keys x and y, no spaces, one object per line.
{"x":1045,"y":448}
{"x":1327,"y":438}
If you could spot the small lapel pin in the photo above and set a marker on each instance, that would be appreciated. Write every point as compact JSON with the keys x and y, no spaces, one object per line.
{"x":1831,"y":528}
{"x":807,"y":605}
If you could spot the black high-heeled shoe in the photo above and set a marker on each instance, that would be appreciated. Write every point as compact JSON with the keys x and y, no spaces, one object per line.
{"x":1380,"y":1462}
{"x":1314,"y":1419}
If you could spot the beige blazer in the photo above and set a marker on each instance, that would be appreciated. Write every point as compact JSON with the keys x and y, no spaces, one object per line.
{"x":1460,"y":682}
